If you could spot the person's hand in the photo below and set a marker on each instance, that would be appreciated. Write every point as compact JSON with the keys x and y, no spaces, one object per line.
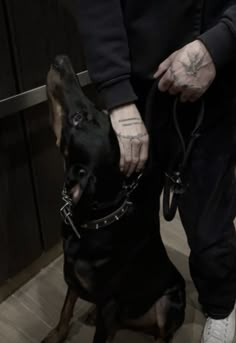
{"x":132,"y":137}
{"x":188,"y":72}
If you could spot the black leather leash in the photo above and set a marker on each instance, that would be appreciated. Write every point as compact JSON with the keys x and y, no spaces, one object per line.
{"x":173,"y":181}
{"x":173,"y":185}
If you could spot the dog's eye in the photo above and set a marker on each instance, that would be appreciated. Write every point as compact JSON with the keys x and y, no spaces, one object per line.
{"x":77,"y":118}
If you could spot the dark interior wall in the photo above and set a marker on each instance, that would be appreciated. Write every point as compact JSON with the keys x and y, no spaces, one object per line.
{"x":20,"y":241}
{"x":32,"y":33}
{"x":48,"y":173}
{"x":7,"y":82}
{"x":42,"y":29}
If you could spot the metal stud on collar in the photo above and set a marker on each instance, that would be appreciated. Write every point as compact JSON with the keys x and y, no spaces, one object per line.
{"x":110,"y":219}
{"x":66,"y":210}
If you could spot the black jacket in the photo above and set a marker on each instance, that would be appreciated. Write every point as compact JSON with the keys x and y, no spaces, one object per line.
{"x":127,"y":39}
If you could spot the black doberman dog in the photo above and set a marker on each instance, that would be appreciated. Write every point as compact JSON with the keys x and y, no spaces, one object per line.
{"x":110,"y":259}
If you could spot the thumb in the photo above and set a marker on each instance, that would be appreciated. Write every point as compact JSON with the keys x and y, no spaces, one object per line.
{"x":165,"y":65}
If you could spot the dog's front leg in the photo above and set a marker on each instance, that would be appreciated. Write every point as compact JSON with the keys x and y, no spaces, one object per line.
{"x":101,"y":333}
{"x":59,"y":334}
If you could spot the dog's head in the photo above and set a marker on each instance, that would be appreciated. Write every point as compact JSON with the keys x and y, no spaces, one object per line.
{"x":84,"y":136}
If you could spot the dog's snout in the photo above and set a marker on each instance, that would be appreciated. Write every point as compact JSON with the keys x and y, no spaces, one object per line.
{"x":60,"y":63}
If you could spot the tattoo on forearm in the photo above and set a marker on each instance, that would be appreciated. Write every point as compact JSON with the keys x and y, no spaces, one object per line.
{"x":130,"y":124}
{"x":129,"y":119}
{"x":195,"y":64}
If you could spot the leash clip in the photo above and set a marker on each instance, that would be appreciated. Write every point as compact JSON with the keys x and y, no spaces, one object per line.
{"x":131,"y":187}
{"x":174,"y":186}
{"x":177,"y":184}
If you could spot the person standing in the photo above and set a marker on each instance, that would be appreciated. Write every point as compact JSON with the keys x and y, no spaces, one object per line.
{"x":189,"y":46}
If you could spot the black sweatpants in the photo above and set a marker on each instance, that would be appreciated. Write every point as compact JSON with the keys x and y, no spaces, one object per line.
{"x":208,"y":207}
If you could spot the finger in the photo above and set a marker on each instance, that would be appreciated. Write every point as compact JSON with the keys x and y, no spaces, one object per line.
{"x":163,"y":67}
{"x":166,"y":82}
{"x":122,"y":153}
{"x":136,"y":145}
{"x":143,"y":155}
{"x":127,"y":155}
{"x":174,"y":90}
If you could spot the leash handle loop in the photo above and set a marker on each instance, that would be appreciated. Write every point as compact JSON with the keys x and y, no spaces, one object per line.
{"x":173,"y":185}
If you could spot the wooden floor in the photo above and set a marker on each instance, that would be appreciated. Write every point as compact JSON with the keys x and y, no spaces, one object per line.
{"x":29,"y":314}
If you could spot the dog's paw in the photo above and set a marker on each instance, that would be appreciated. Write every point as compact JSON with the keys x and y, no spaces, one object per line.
{"x":56,"y":336}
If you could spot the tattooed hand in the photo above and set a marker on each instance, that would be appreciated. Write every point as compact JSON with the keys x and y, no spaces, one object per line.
{"x":188,"y":72}
{"x":132,"y":136}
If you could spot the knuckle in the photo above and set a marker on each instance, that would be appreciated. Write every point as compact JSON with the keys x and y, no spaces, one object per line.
{"x":132,"y":162}
{"x":136,"y":141}
{"x":182,"y":86}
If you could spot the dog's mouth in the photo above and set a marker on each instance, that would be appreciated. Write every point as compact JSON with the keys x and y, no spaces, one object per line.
{"x":75,"y":193}
{"x":76,"y":182}
{"x":80,"y":186}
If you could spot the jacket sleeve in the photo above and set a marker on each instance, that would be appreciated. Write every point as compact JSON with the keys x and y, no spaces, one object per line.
{"x":220,"y":40}
{"x":106,"y":50}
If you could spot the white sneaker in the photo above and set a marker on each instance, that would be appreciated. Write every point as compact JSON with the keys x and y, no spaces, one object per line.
{"x":220,"y":330}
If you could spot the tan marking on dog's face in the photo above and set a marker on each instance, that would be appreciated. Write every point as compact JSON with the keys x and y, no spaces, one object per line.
{"x":57,"y":116}
{"x":76,"y":193}
{"x":53,"y":80}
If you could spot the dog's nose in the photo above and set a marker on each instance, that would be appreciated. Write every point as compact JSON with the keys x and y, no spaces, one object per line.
{"x":60,"y":63}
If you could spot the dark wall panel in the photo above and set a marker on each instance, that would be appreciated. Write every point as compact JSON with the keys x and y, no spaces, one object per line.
{"x":40,"y":30}
{"x":20,"y":240}
{"x":48,"y":172}
{"x":7,"y":83}
{"x":43,"y":29}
